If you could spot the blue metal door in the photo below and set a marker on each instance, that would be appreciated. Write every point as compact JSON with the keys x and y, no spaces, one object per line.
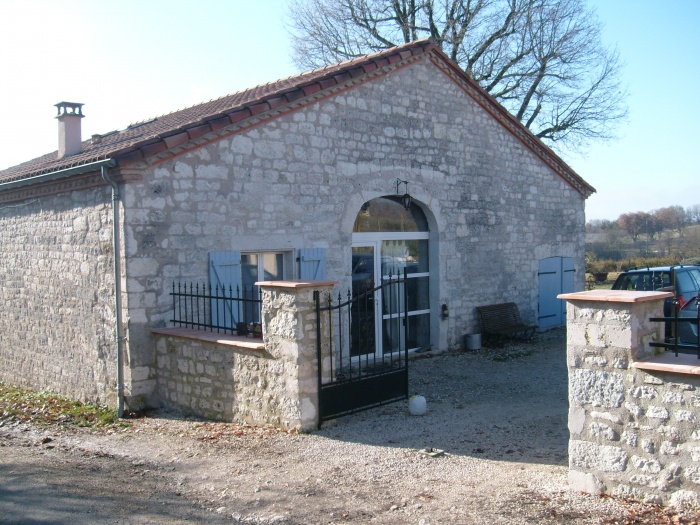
{"x":556,"y":276}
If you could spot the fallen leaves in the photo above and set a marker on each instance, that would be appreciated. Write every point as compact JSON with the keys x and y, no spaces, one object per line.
{"x":43,"y":408}
{"x":641,"y":514}
{"x":211,"y":432}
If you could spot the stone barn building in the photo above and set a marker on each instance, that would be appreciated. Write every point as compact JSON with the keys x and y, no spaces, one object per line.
{"x":299,"y":179}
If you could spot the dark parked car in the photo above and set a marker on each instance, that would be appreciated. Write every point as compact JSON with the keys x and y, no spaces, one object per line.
{"x":688,"y":332}
{"x":684,"y":281}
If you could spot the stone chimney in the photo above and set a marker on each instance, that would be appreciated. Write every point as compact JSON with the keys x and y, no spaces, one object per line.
{"x":70,"y":139}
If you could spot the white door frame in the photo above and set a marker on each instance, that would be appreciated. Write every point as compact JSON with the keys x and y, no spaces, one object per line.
{"x":374,"y":240}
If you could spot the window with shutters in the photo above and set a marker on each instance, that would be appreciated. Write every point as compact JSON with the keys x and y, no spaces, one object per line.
{"x":237,"y":272}
{"x":262,"y":266}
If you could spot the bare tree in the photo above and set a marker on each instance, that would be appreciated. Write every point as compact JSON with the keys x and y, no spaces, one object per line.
{"x":693,"y":214}
{"x":633,"y":223}
{"x":672,"y":218}
{"x":541,"y":59}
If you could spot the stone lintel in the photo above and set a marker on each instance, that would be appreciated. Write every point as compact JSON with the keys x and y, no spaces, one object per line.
{"x":615,"y":296}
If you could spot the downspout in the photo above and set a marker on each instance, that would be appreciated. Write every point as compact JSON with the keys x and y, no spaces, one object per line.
{"x":117,"y":288}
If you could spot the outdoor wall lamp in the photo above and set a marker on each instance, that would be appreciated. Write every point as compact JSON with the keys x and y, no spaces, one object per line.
{"x":406,"y":199}
{"x":445,"y":311}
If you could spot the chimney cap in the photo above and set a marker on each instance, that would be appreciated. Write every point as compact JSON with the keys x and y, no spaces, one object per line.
{"x":69,"y":109}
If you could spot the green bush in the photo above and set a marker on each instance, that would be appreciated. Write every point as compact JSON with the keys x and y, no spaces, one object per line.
{"x":648,"y":262}
{"x":594,"y":265}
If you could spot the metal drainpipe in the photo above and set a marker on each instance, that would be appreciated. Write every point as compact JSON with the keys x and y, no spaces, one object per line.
{"x":117,"y":288}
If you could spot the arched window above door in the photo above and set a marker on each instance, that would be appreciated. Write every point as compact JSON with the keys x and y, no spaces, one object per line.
{"x":387,"y":214}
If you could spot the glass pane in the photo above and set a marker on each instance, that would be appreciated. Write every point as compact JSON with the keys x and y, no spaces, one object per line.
{"x":273,"y":266}
{"x":249,"y":276}
{"x":397,"y":255}
{"x":418,"y":333}
{"x":362,"y":269}
{"x":387,"y":214}
{"x":418,"y":298}
{"x":392,"y":297}
{"x":418,"y":294}
{"x":249,"y":269}
{"x":695,"y":275}
{"x":393,"y":335}
{"x":362,"y":316}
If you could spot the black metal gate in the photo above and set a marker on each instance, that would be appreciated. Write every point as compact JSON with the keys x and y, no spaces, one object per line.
{"x":351,"y":377}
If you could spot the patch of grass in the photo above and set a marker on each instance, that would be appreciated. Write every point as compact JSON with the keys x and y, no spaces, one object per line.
{"x":44,"y":409}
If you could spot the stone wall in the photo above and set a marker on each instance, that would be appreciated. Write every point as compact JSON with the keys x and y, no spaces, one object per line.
{"x":221,"y":381}
{"x":299,"y":180}
{"x":230,"y":378}
{"x":294,"y":181}
{"x":633,"y":412}
{"x":57,"y":321}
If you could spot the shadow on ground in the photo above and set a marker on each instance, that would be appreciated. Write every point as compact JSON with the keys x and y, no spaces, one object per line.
{"x":79,"y":490}
{"x":504,"y":403}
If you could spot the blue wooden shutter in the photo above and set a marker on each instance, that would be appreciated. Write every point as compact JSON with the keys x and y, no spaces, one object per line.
{"x":568,"y":272}
{"x":550,"y":286}
{"x":556,"y":276}
{"x":312,"y":264}
{"x":224,"y":273}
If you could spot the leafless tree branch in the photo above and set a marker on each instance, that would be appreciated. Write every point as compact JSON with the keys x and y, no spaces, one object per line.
{"x":543,"y":60}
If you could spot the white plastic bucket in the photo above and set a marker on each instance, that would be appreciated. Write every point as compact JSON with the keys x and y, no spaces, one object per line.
{"x":472,"y":341}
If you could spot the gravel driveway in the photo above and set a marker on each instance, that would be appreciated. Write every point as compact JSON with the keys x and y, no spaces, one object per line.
{"x":491,"y":449}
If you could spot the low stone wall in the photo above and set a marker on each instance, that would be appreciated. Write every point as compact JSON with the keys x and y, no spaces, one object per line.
{"x":229,"y":378}
{"x":221,"y":381}
{"x":633,"y":412}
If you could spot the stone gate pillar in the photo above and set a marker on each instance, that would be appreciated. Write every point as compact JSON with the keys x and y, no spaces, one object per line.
{"x":289,"y":328}
{"x":633,"y":408}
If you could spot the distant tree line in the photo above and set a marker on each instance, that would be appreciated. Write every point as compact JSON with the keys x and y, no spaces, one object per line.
{"x":670,"y":231}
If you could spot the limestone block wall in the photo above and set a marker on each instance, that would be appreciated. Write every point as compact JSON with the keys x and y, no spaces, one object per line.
{"x":234,"y":379}
{"x":633,"y":413}
{"x":299,"y":180}
{"x":224,"y":382}
{"x":57,"y":321}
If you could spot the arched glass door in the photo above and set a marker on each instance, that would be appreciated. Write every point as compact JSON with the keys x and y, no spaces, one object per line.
{"x":388,"y":238}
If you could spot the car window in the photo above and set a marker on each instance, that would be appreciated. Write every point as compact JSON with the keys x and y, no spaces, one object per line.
{"x":695,"y":276}
{"x":636,"y":281}
{"x":684,"y":282}
{"x":621,"y":283}
{"x":643,"y":281}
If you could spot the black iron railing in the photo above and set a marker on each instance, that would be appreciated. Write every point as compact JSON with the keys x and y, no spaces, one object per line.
{"x":353,"y":373}
{"x":682,"y":333}
{"x":221,"y":309}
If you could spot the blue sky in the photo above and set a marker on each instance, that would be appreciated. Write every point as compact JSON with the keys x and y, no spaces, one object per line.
{"x":131,"y":60}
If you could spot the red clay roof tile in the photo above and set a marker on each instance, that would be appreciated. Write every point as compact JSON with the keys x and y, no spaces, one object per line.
{"x":154,"y":148}
{"x":256,"y":109}
{"x":291,"y":96}
{"x":276,"y":102}
{"x":327,"y":83}
{"x":176,"y":140}
{"x":131,"y":156}
{"x":221,"y":122}
{"x":368,"y":67}
{"x":237,"y":116}
{"x":197,"y":131}
{"x":310,"y":89}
